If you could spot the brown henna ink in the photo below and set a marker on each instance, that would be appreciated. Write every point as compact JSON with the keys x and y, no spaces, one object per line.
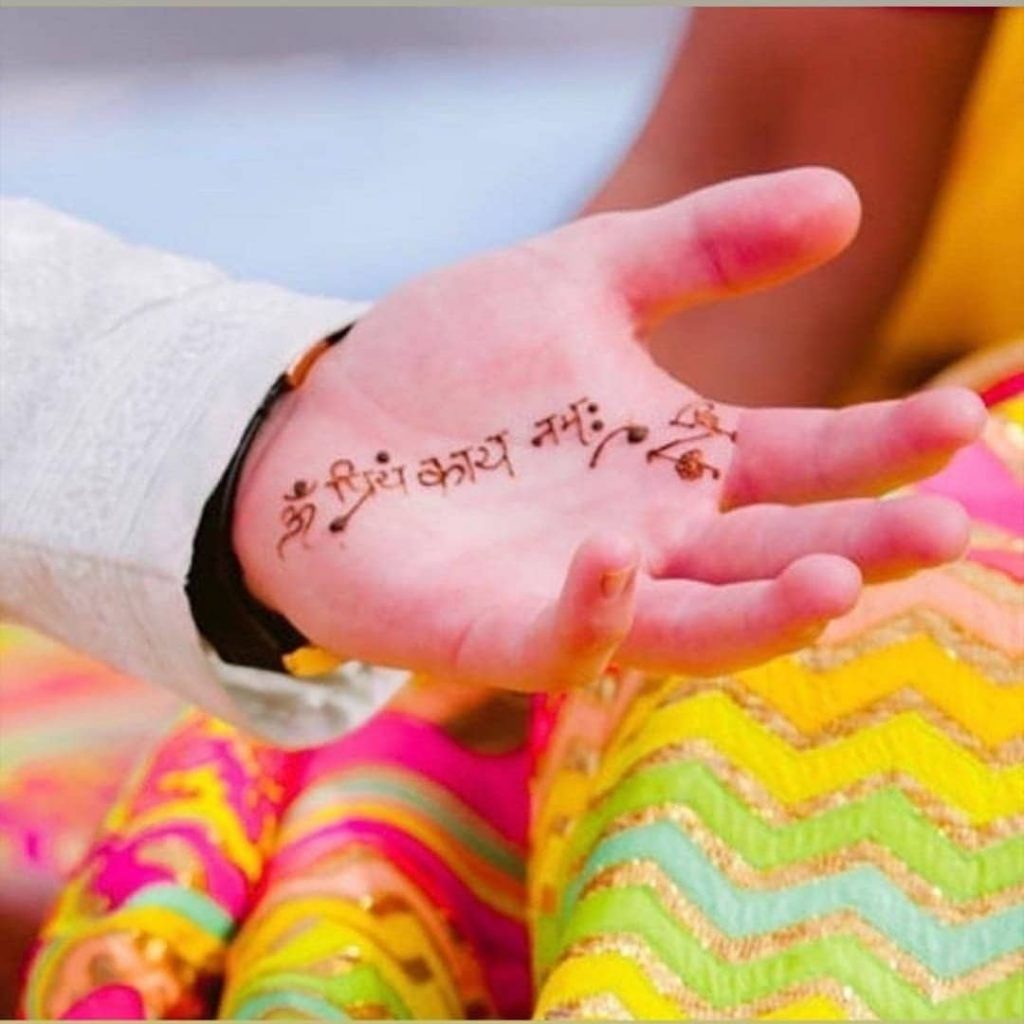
{"x":689,"y":464}
{"x":702,"y":414}
{"x":569,"y":424}
{"x":301,"y":489}
{"x":634,"y":433}
{"x":297,"y":521}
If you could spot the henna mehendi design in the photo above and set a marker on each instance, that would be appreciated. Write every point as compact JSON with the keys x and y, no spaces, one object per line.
{"x":464,"y":464}
{"x":390,"y":479}
{"x":634,"y":433}
{"x":301,"y":489}
{"x":363,"y":485}
{"x":557,"y":425}
{"x":549,"y":430}
{"x":703,"y":415}
{"x":502,"y":458}
{"x":297,"y":521}
{"x":690,"y":464}
{"x":354,"y":486}
{"x":338,"y":523}
{"x":432,"y":473}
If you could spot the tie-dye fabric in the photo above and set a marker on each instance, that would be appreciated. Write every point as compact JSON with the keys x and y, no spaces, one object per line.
{"x":381,"y":875}
{"x":142,"y":928}
{"x":839,"y":833}
{"x":398,"y":886}
{"x":70,"y":730}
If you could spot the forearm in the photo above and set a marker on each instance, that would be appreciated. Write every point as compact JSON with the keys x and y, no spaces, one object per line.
{"x":128,"y":378}
{"x":875,"y":94}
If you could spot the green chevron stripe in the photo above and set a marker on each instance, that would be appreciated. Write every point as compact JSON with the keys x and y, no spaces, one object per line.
{"x":257,"y":1006}
{"x":466,"y":827}
{"x":362,"y":984}
{"x":885,"y":816}
{"x":203,"y":911}
{"x":637,"y":911}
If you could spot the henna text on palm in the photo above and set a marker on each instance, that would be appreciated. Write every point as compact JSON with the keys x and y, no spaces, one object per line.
{"x":580,"y":423}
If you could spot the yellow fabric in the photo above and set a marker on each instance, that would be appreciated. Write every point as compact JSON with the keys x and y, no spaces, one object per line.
{"x":310,"y":661}
{"x":967,"y":289}
{"x":836,"y":833}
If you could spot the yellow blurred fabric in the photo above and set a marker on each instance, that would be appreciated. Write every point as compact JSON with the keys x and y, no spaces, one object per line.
{"x":966,"y":290}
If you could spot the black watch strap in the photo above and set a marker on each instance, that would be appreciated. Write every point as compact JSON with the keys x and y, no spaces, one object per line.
{"x":241,"y":629}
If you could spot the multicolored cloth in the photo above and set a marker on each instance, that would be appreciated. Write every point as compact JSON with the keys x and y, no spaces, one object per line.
{"x":70,"y":730}
{"x":839,"y":833}
{"x":381,"y":875}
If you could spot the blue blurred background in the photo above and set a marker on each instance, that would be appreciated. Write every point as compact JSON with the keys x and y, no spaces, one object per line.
{"x":336,"y":151}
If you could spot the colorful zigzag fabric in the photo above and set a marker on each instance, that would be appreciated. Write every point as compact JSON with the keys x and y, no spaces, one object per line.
{"x":836,"y":834}
{"x":378,"y":876}
{"x":839,"y":833}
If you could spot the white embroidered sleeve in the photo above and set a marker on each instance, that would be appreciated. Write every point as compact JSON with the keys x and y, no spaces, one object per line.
{"x":127,"y":377}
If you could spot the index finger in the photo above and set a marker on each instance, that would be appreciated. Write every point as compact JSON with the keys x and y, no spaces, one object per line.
{"x":725,"y":239}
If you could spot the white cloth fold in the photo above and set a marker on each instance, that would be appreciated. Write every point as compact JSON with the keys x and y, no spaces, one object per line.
{"x":127,"y":377}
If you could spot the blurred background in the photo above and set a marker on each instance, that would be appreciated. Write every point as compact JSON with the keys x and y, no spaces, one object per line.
{"x":336,"y":151}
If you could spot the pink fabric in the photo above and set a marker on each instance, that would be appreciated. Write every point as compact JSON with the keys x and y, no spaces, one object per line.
{"x":984,"y":486}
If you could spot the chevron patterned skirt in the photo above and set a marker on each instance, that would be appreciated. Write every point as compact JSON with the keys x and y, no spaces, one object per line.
{"x":838,"y":833}
{"x":834,"y":834}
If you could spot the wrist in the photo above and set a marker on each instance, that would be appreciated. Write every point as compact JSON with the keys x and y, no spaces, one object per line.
{"x":254,"y":515}
{"x":231,"y":593}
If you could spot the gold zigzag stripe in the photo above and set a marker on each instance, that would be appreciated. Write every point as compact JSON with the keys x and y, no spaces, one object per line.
{"x":999,"y":666}
{"x":665,"y":983}
{"x":904,"y":746}
{"x":771,"y":714}
{"x":988,"y":535}
{"x":992,"y":583}
{"x":838,"y":923}
{"x":604,"y":1006}
{"x":741,"y":874}
{"x":358,"y":874}
{"x":990,"y":710}
{"x":953,"y":823}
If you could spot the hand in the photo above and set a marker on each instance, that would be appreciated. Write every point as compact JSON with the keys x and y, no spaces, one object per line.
{"x":491,"y":480}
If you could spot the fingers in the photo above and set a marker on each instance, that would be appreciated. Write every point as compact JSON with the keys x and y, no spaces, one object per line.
{"x":568,"y":642}
{"x":795,"y":455}
{"x":684,"y":626}
{"x":885,"y":539}
{"x":729,"y":238}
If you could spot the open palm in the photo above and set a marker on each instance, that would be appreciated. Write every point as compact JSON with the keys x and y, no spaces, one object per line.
{"x":491,"y":479}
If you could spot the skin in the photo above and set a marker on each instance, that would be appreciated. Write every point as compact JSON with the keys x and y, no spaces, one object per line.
{"x":874,"y":93}
{"x":539,"y":581}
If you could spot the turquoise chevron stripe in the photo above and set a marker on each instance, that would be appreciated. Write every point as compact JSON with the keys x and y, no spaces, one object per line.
{"x":284,"y":989}
{"x":491,"y":848}
{"x":843,"y":958}
{"x":886,"y":817}
{"x":257,"y":1006}
{"x":192,"y":904}
{"x":947,"y":950}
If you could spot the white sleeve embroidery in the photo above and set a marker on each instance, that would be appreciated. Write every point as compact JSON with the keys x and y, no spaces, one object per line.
{"x":127,"y":378}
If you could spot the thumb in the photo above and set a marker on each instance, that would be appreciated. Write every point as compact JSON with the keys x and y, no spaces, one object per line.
{"x":570,"y":639}
{"x":730,"y":238}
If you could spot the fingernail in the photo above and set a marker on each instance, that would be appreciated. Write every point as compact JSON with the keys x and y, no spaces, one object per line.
{"x":614,"y":584}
